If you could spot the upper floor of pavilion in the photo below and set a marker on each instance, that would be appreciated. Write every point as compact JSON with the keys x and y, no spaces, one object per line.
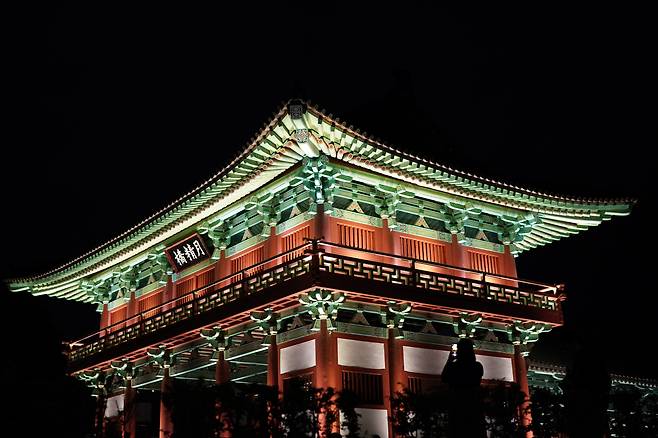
{"x":304,"y":164}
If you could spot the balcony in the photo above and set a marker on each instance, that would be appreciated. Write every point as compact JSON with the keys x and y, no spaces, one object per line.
{"x":367,"y":276}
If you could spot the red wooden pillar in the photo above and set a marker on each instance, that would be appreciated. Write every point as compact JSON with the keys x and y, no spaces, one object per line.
{"x":222,"y":369}
{"x":522,"y":379}
{"x":326,"y":358}
{"x":326,"y":368}
{"x":273,"y":362}
{"x":99,"y":420}
{"x":386,"y":244}
{"x":132,"y":308}
{"x":324,"y":226}
{"x":222,"y":376}
{"x":395,"y":371}
{"x":319,"y":222}
{"x":322,"y":356}
{"x":458,"y":256}
{"x":105,"y":316}
{"x":270,"y":246}
{"x":167,"y":293}
{"x":218,"y":270}
{"x":223,"y":267}
{"x":129,"y":420}
{"x":510,"y":263}
{"x":166,"y":425}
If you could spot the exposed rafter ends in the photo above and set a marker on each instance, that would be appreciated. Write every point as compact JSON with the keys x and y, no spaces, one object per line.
{"x":311,"y":157}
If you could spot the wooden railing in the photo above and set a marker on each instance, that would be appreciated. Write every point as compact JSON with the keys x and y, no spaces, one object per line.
{"x":316,"y":256}
{"x":438,"y":277}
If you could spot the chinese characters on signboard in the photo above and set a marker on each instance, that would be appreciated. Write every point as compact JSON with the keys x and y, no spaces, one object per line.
{"x":187,"y":252}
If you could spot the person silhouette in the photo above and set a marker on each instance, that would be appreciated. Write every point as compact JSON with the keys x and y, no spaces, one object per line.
{"x":463,"y":374}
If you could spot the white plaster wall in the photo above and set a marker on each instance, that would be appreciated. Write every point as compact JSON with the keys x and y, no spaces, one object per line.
{"x":423,"y":360}
{"x":362,"y":354}
{"x":297,"y":357}
{"x":114,"y":406}
{"x":428,"y":361}
{"x":371,"y":421}
{"x":496,"y":367}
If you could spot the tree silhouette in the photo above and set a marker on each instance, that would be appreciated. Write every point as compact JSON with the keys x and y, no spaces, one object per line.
{"x":420,"y":414}
{"x":547,"y":413}
{"x":586,"y":386}
{"x":426,"y":414}
{"x":254,"y":410}
{"x":634,"y":414}
{"x":503,"y":409}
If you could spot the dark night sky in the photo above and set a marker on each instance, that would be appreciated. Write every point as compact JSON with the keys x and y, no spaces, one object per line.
{"x":106,"y":105}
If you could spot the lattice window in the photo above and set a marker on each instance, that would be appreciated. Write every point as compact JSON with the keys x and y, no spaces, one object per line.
{"x":248,"y":259}
{"x":356,"y":237}
{"x":419,"y":385}
{"x":421,"y":250}
{"x":415,"y":385}
{"x":298,"y":381}
{"x":483,"y":262}
{"x":368,"y":387}
{"x":293,"y":240}
{"x":149,"y":302}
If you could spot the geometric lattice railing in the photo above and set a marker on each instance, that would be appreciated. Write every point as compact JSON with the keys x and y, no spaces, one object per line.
{"x":436,"y":281}
{"x":328,"y":258}
{"x":185,"y":307}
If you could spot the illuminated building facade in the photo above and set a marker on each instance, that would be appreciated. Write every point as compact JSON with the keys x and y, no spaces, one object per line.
{"x":319,"y":252}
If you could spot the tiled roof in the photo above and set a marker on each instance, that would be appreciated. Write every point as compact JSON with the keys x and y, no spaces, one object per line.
{"x":277,"y":148}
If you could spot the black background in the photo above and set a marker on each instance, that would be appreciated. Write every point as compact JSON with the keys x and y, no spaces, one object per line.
{"x":115,"y":112}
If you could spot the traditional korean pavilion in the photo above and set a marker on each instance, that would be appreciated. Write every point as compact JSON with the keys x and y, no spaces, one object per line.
{"x":319,"y":252}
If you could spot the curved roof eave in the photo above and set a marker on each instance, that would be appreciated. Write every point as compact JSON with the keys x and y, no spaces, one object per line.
{"x":275,"y":150}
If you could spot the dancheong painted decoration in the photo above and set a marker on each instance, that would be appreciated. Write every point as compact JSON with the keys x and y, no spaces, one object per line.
{"x":321,"y":252}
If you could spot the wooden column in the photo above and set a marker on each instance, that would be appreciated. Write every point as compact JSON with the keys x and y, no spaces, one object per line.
{"x":222,"y":376}
{"x":222,"y":369}
{"x":167,"y":293}
{"x":458,"y":256}
{"x":270,"y":247}
{"x":166,"y":425}
{"x":522,"y":379}
{"x":99,"y":421}
{"x":395,"y":371}
{"x":217,"y":268}
{"x":386,"y":244}
{"x":131,"y":308}
{"x":326,"y":366}
{"x":510,"y":263}
{"x":273,"y":362}
{"x":129,"y":420}
{"x":223,"y":267}
{"x":326,"y":358}
{"x":105,"y":316}
{"x":321,"y":225}
{"x":322,"y":356}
